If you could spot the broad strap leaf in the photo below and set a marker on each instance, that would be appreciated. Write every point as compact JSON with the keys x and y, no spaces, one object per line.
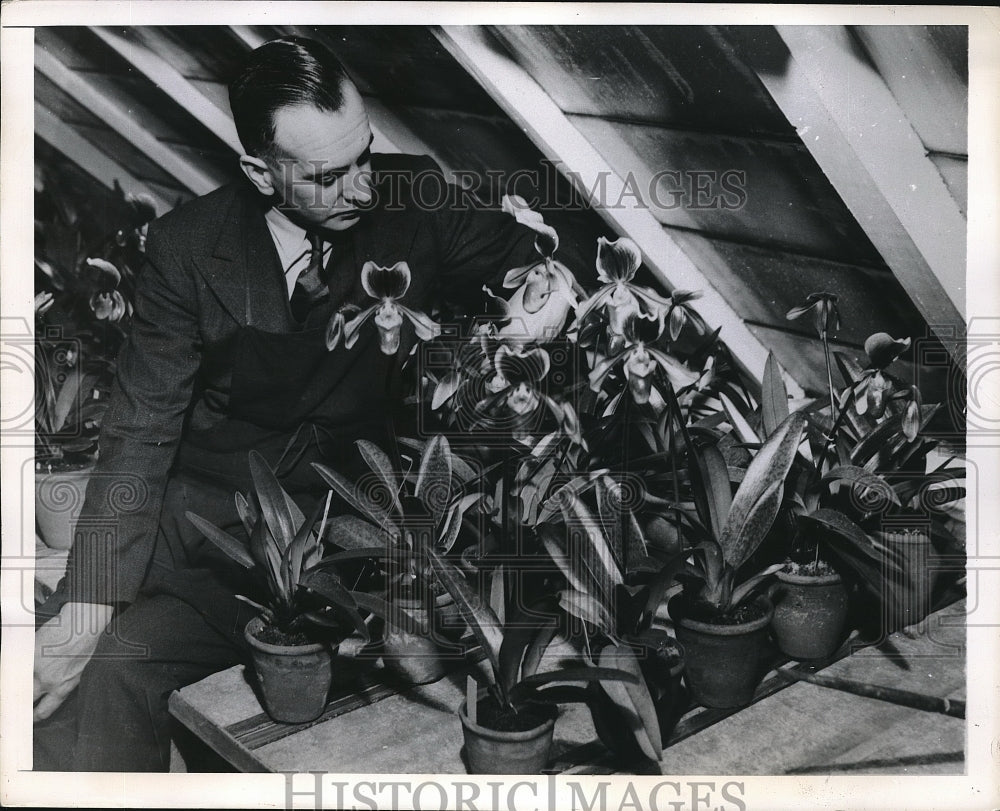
{"x":433,"y":485}
{"x":391,"y":613}
{"x":485,"y":624}
{"x":364,"y":505}
{"x":222,"y":539}
{"x":378,"y":460}
{"x":633,"y":699}
{"x":527,"y":688}
{"x":763,"y":481}
{"x":774,"y":397}
{"x":351,"y":532}
{"x":273,"y":501}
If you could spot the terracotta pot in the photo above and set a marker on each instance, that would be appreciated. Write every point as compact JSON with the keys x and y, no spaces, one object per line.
{"x":913,"y":586}
{"x":294,"y":679}
{"x":723,"y":663}
{"x":58,"y":501}
{"x":418,"y":659}
{"x":810,"y":613}
{"x":489,"y":751}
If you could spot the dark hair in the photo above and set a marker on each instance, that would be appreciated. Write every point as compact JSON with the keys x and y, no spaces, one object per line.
{"x":280,"y":73}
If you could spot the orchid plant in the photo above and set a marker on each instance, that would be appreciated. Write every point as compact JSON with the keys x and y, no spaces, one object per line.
{"x":84,"y":280}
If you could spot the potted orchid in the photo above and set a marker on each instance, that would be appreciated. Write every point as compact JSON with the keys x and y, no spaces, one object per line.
{"x":84,"y":280}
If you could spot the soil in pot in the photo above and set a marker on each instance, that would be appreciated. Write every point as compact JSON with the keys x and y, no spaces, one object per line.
{"x":520,"y":743}
{"x":725,"y":656}
{"x":294,"y":679}
{"x":810,"y":613}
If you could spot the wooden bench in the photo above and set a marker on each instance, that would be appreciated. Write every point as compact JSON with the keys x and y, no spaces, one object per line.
{"x":795,"y":728}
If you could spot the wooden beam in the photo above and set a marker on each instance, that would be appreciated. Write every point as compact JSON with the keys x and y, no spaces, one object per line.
{"x":88,"y":157}
{"x":176,"y":86}
{"x":123,"y":122}
{"x":855,"y":129}
{"x":532,"y":109}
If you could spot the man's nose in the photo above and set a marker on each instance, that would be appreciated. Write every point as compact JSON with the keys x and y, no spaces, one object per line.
{"x":358,"y":188}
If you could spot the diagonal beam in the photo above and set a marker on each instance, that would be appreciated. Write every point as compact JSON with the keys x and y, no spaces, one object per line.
{"x":854,"y":127}
{"x":174,"y":84}
{"x":88,"y":157}
{"x":120,"y":120}
{"x":532,"y":109}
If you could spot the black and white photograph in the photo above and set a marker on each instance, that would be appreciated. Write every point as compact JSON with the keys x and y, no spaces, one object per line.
{"x":465,"y":405}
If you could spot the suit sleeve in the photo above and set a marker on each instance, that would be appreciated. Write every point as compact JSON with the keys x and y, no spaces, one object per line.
{"x":477,"y":244}
{"x":140,"y":433}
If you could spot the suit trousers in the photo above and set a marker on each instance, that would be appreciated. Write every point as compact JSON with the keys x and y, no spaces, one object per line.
{"x":185,"y":624}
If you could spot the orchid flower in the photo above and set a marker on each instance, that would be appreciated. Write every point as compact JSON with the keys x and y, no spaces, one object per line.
{"x":873,"y":390}
{"x":108,"y":306}
{"x":518,"y":373}
{"x":106,"y":302}
{"x":545,"y":291}
{"x":388,"y":286}
{"x":617,"y":263}
{"x":826,"y":315}
{"x":639,"y":360}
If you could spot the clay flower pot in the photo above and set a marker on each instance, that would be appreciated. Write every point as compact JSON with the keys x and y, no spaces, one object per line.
{"x":420,"y":659}
{"x":294,"y":679}
{"x":723,"y":662}
{"x":491,"y":751}
{"x":810,"y":612}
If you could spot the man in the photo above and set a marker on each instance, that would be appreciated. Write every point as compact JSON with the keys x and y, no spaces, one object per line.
{"x":226,"y":355}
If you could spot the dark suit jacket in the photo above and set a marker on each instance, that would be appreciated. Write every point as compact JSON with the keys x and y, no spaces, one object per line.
{"x":211,"y":269}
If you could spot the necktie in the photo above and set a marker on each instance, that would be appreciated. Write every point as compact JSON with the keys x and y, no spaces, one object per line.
{"x":310,"y":289}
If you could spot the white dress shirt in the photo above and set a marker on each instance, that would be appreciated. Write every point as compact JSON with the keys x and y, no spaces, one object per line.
{"x":292,"y":245}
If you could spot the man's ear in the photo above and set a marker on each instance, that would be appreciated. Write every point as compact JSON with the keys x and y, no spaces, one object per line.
{"x":258,"y":173}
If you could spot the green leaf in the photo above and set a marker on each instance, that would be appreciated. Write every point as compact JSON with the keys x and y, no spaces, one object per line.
{"x":596,"y":555}
{"x":560,"y":556}
{"x":714,"y":476}
{"x":521,"y":631}
{"x":433,"y":485}
{"x":391,"y":613}
{"x":745,"y":589}
{"x":743,"y":429}
{"x":328,"y":586}
{"x":587,"y":608}
{"x":774,"y":397}
{"x":480,"y":617}
{"x":351,"y":532}
{"x":364,"y":505}
{"x":633,"y":699}
{"x":222,"y":539}
{"x":756,"y":502}
{"x":862,"y":478}
{"x":851,"y":544}
{"x":378,"y":460}
{"x":525,"y":689}
{"x":296,"y":551}
{"x":273,"y":501}
{"x":247,"y":512}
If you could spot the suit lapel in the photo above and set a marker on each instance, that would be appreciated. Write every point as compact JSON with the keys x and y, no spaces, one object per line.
{"x":243,"y":269}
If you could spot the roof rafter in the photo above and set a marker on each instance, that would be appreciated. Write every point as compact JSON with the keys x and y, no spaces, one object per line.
{"x":88,"y":157}
{"x":532,"y":109}
{"x":850,"y":121}
{"x":174,"y":84}
{"x":123,"y":122}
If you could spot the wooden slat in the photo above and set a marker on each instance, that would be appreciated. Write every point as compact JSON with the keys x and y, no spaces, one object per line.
{"x":533,"y":110}
{"x":744,"y":188}
{"x":120,"y":120}
{"x":177,"y":87}
{"x":855,"y":129}
{"x":89,"y":158}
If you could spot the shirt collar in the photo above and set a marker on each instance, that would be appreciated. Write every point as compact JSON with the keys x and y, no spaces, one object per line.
{"x":290,"y":240}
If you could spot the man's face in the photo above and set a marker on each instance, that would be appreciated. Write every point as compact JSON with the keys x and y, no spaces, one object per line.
{"x":322,"y":173}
